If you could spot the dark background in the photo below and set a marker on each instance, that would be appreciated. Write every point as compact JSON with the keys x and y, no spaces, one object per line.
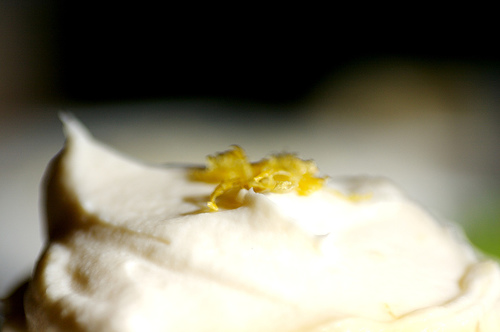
{"x":144,"y":53}
{"x":94,"y":52}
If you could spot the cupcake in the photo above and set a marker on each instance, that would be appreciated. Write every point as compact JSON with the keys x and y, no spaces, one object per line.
{"x":245,"y":246}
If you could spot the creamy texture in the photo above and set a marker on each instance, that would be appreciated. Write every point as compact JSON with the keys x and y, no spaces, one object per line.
{"x":132,"y":248}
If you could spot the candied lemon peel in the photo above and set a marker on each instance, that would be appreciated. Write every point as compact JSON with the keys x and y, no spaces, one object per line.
{"x":281,"y":173}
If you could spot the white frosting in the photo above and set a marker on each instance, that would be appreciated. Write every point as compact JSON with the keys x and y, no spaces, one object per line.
{"x":131,"y":249}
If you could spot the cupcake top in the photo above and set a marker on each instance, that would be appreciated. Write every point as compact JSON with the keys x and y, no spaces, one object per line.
{"x":241,"y":246}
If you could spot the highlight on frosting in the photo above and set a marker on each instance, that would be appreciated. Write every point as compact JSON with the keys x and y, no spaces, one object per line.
{"x":280,"y":173}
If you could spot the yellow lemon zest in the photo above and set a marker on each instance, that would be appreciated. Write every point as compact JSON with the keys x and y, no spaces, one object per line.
{"x":359,"y":197}
{"x":280,"y":173}
{"x":354,"y":197}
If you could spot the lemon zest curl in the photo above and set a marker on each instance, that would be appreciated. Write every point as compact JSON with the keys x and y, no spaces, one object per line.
{"x":281,"y":173}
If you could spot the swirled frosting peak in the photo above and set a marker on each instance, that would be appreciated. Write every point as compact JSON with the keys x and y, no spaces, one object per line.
{"x":133,"y":247}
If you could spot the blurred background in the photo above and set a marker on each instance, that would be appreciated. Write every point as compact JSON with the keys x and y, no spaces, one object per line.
{"x":165,"y":84}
